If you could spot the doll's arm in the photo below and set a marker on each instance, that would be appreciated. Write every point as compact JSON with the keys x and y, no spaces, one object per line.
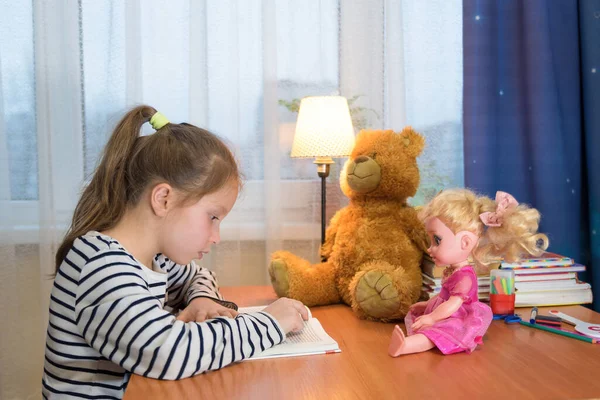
{"x":445,"y":310}
{"x":330,"y":234}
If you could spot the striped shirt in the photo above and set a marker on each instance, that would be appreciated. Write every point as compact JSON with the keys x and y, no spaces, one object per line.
{"x":108,"y":318}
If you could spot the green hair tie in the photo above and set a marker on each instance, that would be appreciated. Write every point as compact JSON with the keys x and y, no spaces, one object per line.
{"x":158,"y":121}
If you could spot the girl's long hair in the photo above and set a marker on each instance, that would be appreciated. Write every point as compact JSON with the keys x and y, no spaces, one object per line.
{"x":190,"y":159}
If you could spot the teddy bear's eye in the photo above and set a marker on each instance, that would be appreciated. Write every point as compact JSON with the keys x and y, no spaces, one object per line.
{"x":373,"y":155}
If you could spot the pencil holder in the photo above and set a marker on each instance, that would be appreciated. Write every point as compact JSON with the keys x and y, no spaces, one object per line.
{"x":502,"y":303}
{"x":502,"y":291}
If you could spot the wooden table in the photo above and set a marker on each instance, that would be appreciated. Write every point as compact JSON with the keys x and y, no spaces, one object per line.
{"x":514,"y":362}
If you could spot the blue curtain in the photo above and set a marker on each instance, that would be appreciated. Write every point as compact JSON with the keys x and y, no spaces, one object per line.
{"x":532,"y":115}
{"x":589,"y":34}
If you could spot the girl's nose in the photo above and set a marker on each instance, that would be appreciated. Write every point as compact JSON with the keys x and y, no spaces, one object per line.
{"x":216,"y":237}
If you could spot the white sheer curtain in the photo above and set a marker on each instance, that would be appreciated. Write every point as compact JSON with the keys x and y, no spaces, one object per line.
{"x":70,"y":69}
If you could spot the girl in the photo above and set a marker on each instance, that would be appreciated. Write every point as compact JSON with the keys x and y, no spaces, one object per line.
{"x":460,"y":223}
{"x":154,"y":203}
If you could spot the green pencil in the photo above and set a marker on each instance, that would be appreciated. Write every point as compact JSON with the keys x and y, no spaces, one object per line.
{"x":558,"y":332}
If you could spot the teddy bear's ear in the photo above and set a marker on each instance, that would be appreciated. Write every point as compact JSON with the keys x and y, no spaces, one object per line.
{"x":413,"y":142}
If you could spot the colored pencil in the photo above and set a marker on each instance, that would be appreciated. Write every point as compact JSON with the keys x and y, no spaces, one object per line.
{"x":576,"y":333}
{"x":559,"y":332}
{"x":498,"y":286}
{"x":547,"y":323}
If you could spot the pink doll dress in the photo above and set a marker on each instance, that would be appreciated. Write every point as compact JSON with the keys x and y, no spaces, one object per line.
{"x":464,"y":329}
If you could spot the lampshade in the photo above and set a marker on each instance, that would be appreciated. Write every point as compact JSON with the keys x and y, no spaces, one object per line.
{"x":324,"y":128}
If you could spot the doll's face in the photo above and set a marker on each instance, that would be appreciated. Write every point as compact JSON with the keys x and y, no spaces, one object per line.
{"x":448,"y":248}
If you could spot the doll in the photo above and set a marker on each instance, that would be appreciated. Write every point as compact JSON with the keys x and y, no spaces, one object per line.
{"x":460,"y":224}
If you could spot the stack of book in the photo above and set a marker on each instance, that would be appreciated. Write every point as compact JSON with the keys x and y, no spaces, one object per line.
{"x":550,"y":280}
{"x":432,"y":279}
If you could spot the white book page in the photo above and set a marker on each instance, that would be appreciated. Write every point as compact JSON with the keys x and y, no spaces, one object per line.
{"x":312,"y":339}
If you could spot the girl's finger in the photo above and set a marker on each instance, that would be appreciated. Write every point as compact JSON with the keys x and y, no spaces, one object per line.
{"x":184,"y":316}
{"x":212,"y":314}
{"x":301,"y":308}
{"x":201,"y":316}
{"x":299,"y":323}
{"x":226,"y":313}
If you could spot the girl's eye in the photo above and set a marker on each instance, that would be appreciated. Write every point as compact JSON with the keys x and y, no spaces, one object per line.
{"x":437,"y":239}
{"x":213,"y":218}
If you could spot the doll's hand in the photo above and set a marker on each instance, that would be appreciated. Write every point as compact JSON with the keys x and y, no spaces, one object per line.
{"x":203,"y":308}
{"x":422,"y":322}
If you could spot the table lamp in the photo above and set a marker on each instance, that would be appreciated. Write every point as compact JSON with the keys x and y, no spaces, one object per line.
{"x":323,"y":130}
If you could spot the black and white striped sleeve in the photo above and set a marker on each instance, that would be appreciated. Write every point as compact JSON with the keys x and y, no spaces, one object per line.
{"x":118,"y":317}
{"x":187,"y":282}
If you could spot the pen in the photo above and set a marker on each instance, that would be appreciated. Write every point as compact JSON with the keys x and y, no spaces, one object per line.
{"x":560,"y":332}
{"x":552,"y":318}
{"x":533,"y":315}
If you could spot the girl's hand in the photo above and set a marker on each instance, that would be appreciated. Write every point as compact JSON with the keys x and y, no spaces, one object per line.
{"x":422,"y":322}
{"x":202,"y":308}
{"x":290,"y":314}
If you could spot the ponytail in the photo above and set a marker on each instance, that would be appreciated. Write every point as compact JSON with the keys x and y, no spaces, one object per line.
{"x":104,"y":200}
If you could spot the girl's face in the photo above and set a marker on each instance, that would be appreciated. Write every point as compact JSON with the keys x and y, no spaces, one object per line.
{"x":446,"y":247}
{"x":189,"y":231}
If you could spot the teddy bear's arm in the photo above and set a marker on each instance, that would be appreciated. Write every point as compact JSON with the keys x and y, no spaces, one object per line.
{"x":416,"y":231}
{"x":420,"y":238}
{"x":330,"y":234}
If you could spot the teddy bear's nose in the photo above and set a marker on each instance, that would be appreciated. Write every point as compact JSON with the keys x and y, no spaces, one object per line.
{"x":361,"y":159}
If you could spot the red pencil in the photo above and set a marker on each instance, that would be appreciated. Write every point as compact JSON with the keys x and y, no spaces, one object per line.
{"x":547,"y":323}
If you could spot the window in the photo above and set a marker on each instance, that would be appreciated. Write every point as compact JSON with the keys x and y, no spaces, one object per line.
{"x":68,"y":74}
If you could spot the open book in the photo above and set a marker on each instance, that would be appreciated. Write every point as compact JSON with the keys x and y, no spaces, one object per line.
{"x":312,"y":339}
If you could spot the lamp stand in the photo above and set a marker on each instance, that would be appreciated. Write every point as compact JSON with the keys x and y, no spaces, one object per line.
{"x":323,"y":164}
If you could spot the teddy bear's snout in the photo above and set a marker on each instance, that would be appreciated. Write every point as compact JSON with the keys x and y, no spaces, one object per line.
{"x":364,"y":174}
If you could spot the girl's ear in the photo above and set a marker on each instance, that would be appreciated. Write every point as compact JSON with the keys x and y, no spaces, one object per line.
{"x":162,"y":199}
{"x":468,"y":240}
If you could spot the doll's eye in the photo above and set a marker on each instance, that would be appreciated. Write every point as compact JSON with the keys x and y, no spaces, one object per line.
{"x":437,"y":240}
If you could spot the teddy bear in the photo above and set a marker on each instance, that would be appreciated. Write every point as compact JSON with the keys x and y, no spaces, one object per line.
{"x":374,"y":246}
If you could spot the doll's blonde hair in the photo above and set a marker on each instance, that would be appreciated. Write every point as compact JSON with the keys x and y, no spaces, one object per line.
{"x":459,"y":210}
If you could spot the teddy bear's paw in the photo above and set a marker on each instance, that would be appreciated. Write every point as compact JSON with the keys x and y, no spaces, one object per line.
{"x":279,"y":277}
{"x":376,"y":294}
